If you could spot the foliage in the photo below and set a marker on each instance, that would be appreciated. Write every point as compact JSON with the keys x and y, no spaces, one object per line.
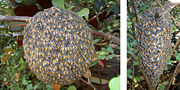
{"x":58,"y":3}
{"x":135,"y":77}
{"x":114,"y":83}
{"x":15,"y":73}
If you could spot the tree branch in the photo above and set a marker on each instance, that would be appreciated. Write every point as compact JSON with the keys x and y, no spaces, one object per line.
{"x":106,"y":36}
{"x":173,"y":76}
{"x":165,"y":8}
{"x":135,"y":9}
{"x":14,"y":18}
{"x":175,"y":46}
{"x":175,"y":71}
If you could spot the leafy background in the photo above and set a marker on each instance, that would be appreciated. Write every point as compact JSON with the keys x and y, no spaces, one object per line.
{"x":135,"y":77}
{"x":14,"y":72}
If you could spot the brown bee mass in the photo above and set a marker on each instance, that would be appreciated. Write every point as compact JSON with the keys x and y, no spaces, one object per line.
{"x":58,"y":46}
{"x":154,"y":41}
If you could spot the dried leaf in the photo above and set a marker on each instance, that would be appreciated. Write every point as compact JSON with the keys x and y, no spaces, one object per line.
{"x":101,"y":63}
{"x":56,"y":86}
{"x":86,"y":74}
{"x":6,"y":84}
{"x":17,"y":76}
{"x":7,"y":50}
{"x":3,"y":60}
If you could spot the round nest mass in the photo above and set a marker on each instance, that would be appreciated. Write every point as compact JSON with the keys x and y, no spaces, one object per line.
{"x":154,"y":43}
{"x":58,"y":46}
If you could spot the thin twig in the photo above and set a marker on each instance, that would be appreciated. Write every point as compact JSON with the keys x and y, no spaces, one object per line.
{"x":178,"y":24}
{"x":177,"y":84}
{"x":132,"y":54}
{"x":97,"y":15}
{"x":175,"y":46}
{"x":99,"y":73}
{"x":88,"y":84}
{"x":118,"y":2}
{"x":128,"y":59}
{"x":89,"y":77}
{"x":131,"y":37}
{"x":141,"y":87}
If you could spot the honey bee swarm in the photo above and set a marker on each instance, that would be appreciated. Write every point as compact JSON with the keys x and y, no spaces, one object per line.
{"x":154,"y":42}
{"x":58,"y":46}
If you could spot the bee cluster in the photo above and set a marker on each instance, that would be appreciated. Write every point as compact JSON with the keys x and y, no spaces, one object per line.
{"x":154,"y":43}
{"x":58,"y":46}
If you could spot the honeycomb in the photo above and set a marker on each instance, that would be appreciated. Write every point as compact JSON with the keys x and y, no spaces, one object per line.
{"x":154,"y":43}
{"x":58,"y":46}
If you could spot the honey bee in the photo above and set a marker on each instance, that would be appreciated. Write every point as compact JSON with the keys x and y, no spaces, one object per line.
{"x":45,"y":63}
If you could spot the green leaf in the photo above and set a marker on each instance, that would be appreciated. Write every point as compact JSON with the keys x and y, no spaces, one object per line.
{"x":49,"y":87}
{"x":102,"y":44}
{"x":110,"y":49}
{"x":111,"y":2}
{"x":114,"y":83}
{"x":129,"y":76}
{"x":166,"y":82}
{"x":134,"y":43}
{"x":138,"y":79}
{"x":129,"y":71}
{"x":109,"y":27}
{"x":101,"y":57}
{"x":18,"y":1}
{"x":36,"y":87}
{"x":161,"y":87}
{"x":103,"y":53}
{"x":72,"y":88}
{"x":110,"y":56}
{"x":129,"y":51}
{"x":177,"y":55}
{"x":118,"y":47}
{"x":96,"y":41}
{"x":174,"y":27}
{"x":169,"y":61}
{"x":70,"y":7}
{"x":129,"y":25}
{"x":24,"y":81}
{"x":5,"y":79}
{"x":84,"y":12}
{"x":58,"y":3}
{"x":30,"y":86}
{"x":136,"y":62}
{"x":94,"y":63}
